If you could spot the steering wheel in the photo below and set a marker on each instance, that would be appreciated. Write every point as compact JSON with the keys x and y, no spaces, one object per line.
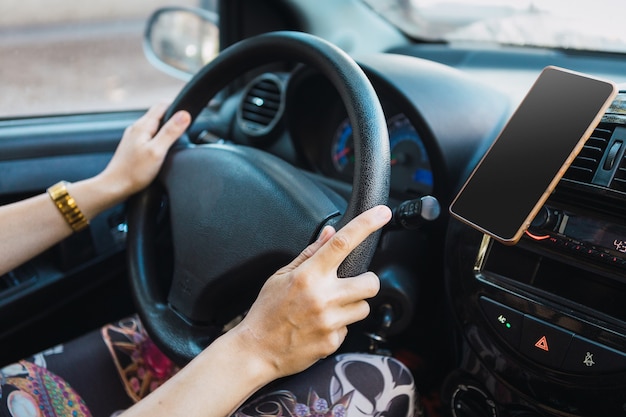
{"x":237,"y":214}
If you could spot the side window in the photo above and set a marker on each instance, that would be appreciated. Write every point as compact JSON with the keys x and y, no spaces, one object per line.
{"x":72,"y":56}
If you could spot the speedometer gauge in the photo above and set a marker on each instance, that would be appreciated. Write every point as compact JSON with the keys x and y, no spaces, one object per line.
{"x":410,"y":167}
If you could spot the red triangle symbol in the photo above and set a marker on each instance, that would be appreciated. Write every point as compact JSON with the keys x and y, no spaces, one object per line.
{"x":542,"y":344}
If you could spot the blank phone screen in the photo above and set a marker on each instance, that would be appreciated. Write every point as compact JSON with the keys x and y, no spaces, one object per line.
{"x":532,"y":152}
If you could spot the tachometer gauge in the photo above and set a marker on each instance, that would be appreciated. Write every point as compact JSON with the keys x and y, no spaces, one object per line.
{"x":410,"y":166}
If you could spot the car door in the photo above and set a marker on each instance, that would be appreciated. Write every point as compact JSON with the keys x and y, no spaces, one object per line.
{"x":72,"y":79}
{"x":80,"y":280}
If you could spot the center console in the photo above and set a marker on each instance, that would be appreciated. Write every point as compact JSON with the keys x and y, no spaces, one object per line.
{"x":543,"y":323}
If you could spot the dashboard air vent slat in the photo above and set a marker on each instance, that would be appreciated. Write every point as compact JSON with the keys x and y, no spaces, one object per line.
{"x":619,"y":180}
{"x":261,"y":106}
{"x":586,"y":163}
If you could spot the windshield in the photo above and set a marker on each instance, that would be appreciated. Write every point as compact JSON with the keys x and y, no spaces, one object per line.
{"x":591,"y":26}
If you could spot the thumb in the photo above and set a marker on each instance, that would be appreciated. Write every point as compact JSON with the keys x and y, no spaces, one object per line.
{"x":324,"y":236}
{"x":172,"y":130}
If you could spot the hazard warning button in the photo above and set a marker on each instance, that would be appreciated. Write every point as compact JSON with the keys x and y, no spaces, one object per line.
{"x":543,"y":342}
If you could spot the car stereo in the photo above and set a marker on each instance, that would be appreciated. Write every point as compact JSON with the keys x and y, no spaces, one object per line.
{"x":589,"y":237}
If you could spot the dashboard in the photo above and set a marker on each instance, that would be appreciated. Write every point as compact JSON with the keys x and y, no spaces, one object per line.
{"x":545,"y":319}
{"x":427,"y":154}
{"x":540,"y":326}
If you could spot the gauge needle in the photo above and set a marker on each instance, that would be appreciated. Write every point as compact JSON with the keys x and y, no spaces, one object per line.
{"x":342,"y":153}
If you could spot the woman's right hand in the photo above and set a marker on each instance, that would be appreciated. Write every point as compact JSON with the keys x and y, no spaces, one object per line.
{"x":302,"y":312}
{"x":300,"y":316}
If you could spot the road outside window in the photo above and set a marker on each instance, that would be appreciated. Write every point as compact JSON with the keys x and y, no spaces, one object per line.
{"x":72,"y":56}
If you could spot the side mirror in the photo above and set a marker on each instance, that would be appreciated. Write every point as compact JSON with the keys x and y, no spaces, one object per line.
{"x":179,"y":41}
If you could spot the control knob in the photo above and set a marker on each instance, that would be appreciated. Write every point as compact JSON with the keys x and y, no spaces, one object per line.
{"x":546,"y":220}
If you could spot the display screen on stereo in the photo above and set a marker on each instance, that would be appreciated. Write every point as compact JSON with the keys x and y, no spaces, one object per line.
{"x":611,"y":237}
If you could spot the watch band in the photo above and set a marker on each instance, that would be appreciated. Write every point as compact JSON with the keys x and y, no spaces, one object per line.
{"x":67,"y":206}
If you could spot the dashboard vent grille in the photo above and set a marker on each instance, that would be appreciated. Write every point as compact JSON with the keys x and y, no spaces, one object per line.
{"x":619,"y":180}
{"x":586,"y":163}
{"x":262,"y":106}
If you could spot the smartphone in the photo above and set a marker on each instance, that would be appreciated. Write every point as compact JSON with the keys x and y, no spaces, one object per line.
{"x":532,"y":152}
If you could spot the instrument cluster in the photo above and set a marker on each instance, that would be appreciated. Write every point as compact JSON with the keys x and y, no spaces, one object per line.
{"x":321,"y":132}
{"x":411,"y":173}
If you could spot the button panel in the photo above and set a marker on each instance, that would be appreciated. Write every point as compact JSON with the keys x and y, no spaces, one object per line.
{"x":551,"y":345}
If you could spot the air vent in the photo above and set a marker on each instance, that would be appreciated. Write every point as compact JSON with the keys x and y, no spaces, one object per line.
{"x":586,"y":163}
{"x":619,"y":180}
{"x":262,"y":105}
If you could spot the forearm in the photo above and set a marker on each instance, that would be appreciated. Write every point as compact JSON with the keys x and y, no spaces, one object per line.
{"x":31,"y":226}
{"x":214,"y":384}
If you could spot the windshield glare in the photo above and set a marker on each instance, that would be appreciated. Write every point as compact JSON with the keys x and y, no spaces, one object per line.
{"x":591,"y":26}
{"x":71,"y":56}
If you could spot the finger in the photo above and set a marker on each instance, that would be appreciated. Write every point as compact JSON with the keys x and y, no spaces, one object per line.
{"x":326,"y":233}
{"x":354,"y":312}
{"x":351,"y":235}
{"x":150,"y":121}
{"x":172,"y":129}
{"x":361,"y":287}
{"x":339,"y":336}
{"x":157,"y":111}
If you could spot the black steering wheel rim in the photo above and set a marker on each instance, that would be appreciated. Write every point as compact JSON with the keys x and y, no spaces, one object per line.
{"x":182,"y":339}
